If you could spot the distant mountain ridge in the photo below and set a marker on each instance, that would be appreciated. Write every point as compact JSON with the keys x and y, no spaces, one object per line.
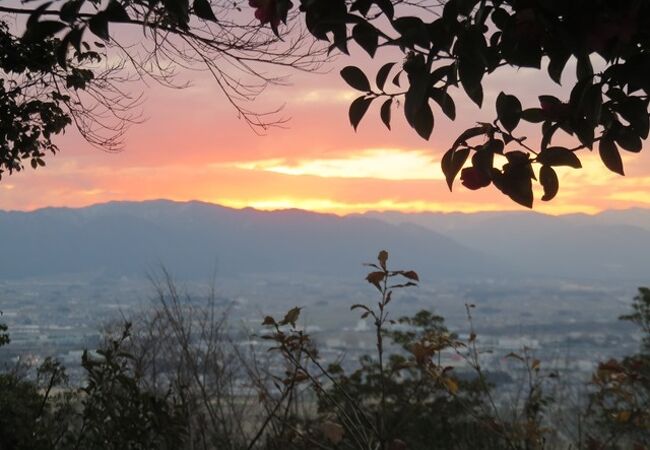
{"x":192,"y":239}
{"x":611,"y":244}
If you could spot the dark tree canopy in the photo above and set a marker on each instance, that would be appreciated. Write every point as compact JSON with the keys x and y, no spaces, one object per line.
{"x":459,"y":43}
{"x":69,"y":62}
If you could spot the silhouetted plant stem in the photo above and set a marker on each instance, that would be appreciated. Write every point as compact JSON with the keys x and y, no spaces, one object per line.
{"x":382,"y":376}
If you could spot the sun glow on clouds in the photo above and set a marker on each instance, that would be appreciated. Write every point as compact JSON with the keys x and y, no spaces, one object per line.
{"x":343,"y":207}
{"x":324,"y":96}
{"x":381,"y":164}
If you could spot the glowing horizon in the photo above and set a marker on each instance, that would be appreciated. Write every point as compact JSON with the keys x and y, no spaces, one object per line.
{"x":193,"y":148}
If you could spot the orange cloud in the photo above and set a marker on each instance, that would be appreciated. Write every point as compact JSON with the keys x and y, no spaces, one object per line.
{"x":383,"y":164}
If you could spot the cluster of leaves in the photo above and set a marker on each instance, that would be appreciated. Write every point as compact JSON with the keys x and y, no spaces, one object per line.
{"x":620,"y":401}
{"x":424,"y":402}
{"x":27,"y":123}
{"x":112,"y":410}
{"x":471,"y":39}
{"x":21,"y":421}
{"x":118,"y":412}
{"x":52,"y":57}
{"x":401,"y":397}
{"x":65,"y":63}
{"x":76,"y":17}
{"x":272,"y":12}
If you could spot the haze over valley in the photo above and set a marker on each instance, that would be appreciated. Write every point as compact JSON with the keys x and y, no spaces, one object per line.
{"x":555,"y":284}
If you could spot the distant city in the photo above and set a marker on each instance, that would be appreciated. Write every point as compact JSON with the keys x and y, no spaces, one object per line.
{"x":553,"y":285}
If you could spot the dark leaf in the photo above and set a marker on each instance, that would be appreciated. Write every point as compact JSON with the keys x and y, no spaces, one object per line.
{"x":501,"y":18}
{"x":366,"y":36}
{"x":518,"y":157}
{"x":446,"y":103}
{"x":549,"y":181}
{"x":358,"y":109}
{"x":382,"y":257}
{"x":291,"y":317}
{"x":376,"y":278}
{"x":483,"y":160}
{"x":423,"y":121}
{"x":519,"y":186}
{"x":203,"y":10}
{"x":610,"y":155}
{"x":584,"y":69}
{"x":533,"y":115}
{"x":514,"y":355}
{"x":412,"y":30}
{"x":578,"y":94}
{"x":548,"y":130}
{"x":468,"y":134}
{"x":635,"y":111}
{"x":549,"y":103}
{"x":584,"y":129}
{"x":98,"y":24}
{"x":559,"y":156}
{"x":627,"y":138}
{"x":440,"y":73}
{"x":557,"y":63}
{"x":363,"y":6}
{"x":70,"y":10}
{"x":416,"y":97}
{"x":384,"y":112}
{"x":403,"y":285}
{"x":358,"y":305}
{"x":115,"y":12}
{"x":452,"y":161}
{"x":74,"y":37}
{"x":411,"y":275}
{"x":508,"y":111}
{"x":494,"y":146}
{"x":38,"y":12}
{"x":396,"y":78}
{"x":386,"y":7}
{"x":62,"y":51}
{"x":474,"y":178}
{"x":593,"y":104}
{"x":355,"y":78}
{"x":471,"y":74}
{"x":382,"y":75}
{"x":40,"y":31}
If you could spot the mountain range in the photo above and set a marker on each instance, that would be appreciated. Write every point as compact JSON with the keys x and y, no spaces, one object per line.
{"x":195,"y":239}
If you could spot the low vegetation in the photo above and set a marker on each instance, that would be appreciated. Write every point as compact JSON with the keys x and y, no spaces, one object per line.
{"x":175,"y":377}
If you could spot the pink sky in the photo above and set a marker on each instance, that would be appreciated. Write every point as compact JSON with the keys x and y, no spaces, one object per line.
{"x":192,"y":146}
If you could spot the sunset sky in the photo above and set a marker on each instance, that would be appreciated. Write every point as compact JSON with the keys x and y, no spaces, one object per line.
{"x":192,"y":146}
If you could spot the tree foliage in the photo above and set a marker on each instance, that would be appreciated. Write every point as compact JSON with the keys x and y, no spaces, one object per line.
{"x":69,"y":62}
{"x":405,"y":395}
{"x":450,"y":48}
{"x":113,"y":410}
{"x":620,"y":402}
